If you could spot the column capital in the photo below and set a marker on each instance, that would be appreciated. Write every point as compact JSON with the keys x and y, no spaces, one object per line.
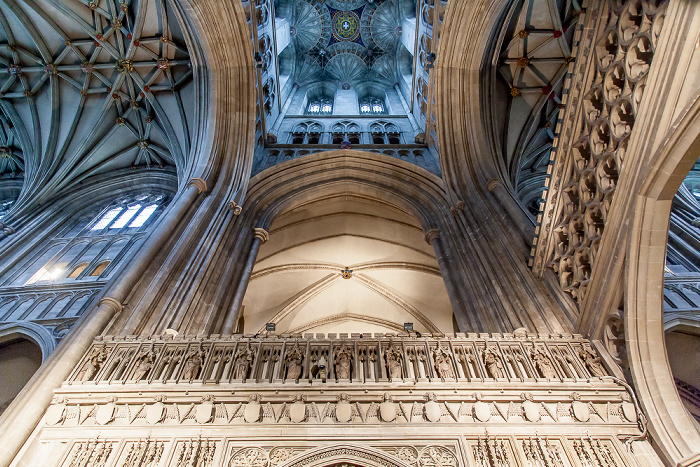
{"x":113,"y":303}
{"x":199,"y":184}
{"x":493,"y":184}
{"x":236,"y":208}
{"x":262,"y":234}
{"x":432,"y":234}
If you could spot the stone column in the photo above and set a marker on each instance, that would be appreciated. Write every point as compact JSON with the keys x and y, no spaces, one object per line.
{"x":509,"y":204}
{"x":432,"y":237}
{"x":280,"y":118}
{"x":20,"y":419}
{"x":261,"y":236}
{"x":407,"y":109}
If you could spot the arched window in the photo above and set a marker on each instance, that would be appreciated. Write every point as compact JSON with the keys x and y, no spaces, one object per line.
{"x":86,"y":248}
{"x":77,"y":270}
{"x":385,"y":133}
{"x":372,"y":106}
{"x":345,"y":132}
{"x":100,"y":268}
{"x":127,"y":214}
{"x":307,"y":133}
{"x":320,"y":107}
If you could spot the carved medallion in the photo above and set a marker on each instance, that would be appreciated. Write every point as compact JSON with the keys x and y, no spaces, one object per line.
{"x":432,"y":411}
{"x":155,"y":413}
{"x":205,"y":411}
{"x":343,"y":411}
{"x":387,"y":410}
{"x":253,"y":409}
{"x":482,"y":411}
{"x":297,"y":412}
{"x":105,"y":413}
{"x":532,"y":411}
{"x":55,"y":414}
{"x":581,"y":411}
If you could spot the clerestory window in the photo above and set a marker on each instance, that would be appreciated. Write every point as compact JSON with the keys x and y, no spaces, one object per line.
{"x":320,"y":107}
{"x":372,"y":106}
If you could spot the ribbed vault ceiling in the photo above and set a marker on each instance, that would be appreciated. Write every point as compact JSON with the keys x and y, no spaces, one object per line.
{"x":298,"y":283}
{"x":345,"y":42}
{"x":90,"y":87}
{"x":537,"y":48}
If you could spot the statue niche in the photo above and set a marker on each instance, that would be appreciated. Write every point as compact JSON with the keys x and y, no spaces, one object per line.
{"x":343,"y":363}
{"x":393,"y":357}
{"x":242,"y":362}
{"x":293,"y":363}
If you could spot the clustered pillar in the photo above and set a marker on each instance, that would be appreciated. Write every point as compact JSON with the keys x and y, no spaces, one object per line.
{"x":261,"y":236}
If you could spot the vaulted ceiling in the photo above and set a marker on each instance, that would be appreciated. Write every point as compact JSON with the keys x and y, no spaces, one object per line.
{"x":391,"y":274}
{"x":345,"y":43}
{"x":91,"y":87}
{"x":535,"y":49}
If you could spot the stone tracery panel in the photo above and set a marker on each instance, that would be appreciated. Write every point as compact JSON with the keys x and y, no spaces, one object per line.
{"x":586,"y":170}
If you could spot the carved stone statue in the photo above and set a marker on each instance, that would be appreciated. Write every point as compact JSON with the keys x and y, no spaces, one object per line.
{"x":443,"y":363}
{"x":242,"y":362}
{"x":543,"y":364}
{"x":293,"y":362}
{"x":393,"y":357}
{"x":343,"y":363}
{"x":95,"y":361}
{"x":494,"y":366}
{"x":145,"y":363}
{"x":193,"y":364}
{"x":592,"y":362}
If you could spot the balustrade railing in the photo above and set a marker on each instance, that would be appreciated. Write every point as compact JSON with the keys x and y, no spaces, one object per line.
{"x":342,"y":359}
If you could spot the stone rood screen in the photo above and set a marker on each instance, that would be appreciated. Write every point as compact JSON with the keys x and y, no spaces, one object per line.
{"x":539,"y":400}
{"x":464,"y":358}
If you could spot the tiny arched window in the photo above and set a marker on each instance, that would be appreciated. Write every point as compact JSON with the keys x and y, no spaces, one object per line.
{"x":100,"y":268}
{"x":78,"y":269}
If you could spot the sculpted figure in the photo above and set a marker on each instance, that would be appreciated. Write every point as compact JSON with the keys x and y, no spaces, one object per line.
{"x":145,"y":363}
{"x":393,"y":357}
{"x":293,"y":362}
{"x":343,"y":363}
{"x":493,"y":364}
{"x":543,"y":364}
{"x":242,"y":362}
{"x":95,"y":361}
{"x":443,"y":363}
{"x":193,"y":364}
{"x":592,"y":362}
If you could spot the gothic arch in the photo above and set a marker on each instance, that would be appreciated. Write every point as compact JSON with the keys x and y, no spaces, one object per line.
{"x":31,"y":331}
{"x":386,"y":179}
{"x":669,"y":423}
{"x":372,"y":189}
{"x":344,"y":453}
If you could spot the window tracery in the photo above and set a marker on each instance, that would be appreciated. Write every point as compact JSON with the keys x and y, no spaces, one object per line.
{"x":372,"y":106}
{"x":385,"y":133}
{"x":320,"y":107}
{"x":307,"y":133}
{"x":346,"y":132}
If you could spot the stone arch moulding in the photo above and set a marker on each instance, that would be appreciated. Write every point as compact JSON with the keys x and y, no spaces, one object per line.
{"x":32,"y":331}
{"x":344,"y":454}
{"x":394,"y":182}
{"x":669,"y":424}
